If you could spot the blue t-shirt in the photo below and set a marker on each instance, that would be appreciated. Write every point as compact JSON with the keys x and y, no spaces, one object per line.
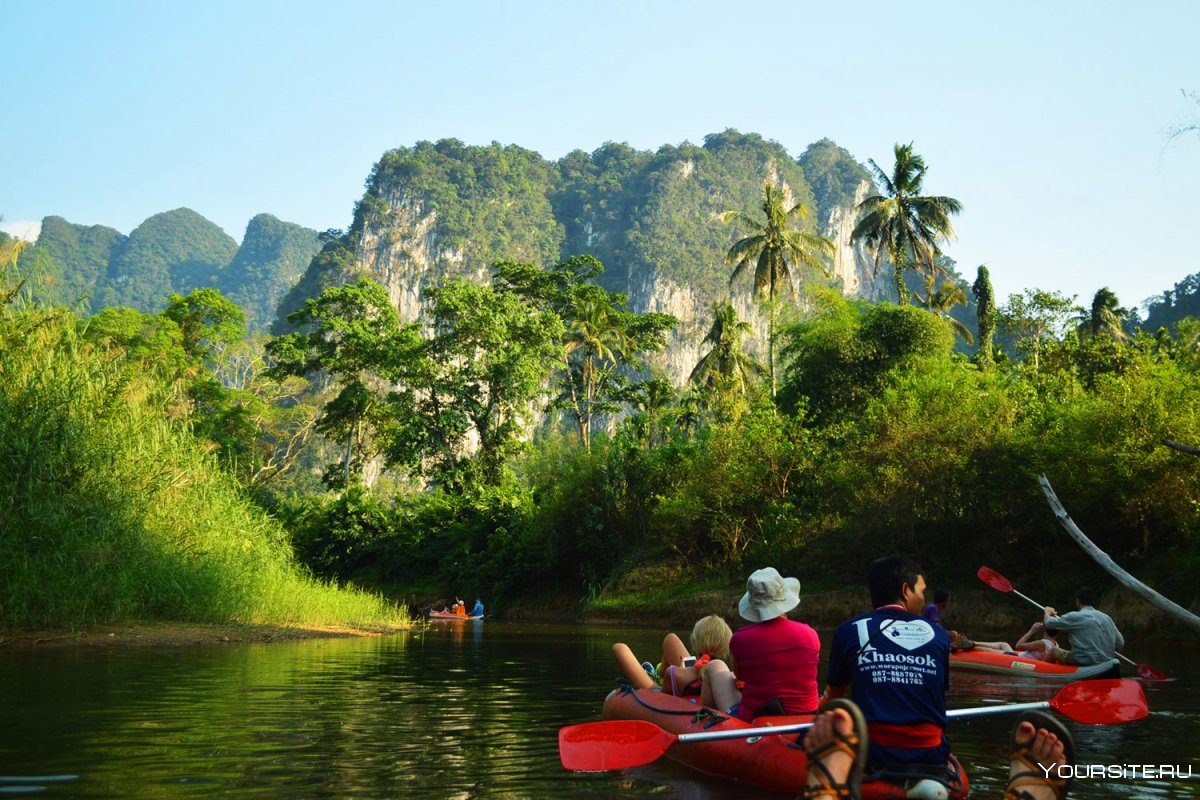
{"x":898,"y":668}
{"x":477,"y":611}
{"x":933,"y":613}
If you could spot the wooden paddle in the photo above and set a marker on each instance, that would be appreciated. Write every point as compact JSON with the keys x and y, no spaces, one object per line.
{"x":624,"y":743}
{"x":997,"y":581}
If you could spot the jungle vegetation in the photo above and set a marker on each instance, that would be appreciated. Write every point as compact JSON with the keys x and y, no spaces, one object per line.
{"x":517,"y":441}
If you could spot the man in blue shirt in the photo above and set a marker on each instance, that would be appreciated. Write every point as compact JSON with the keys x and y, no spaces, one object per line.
{"x":477,"y":611}
{"x":895,"y":664}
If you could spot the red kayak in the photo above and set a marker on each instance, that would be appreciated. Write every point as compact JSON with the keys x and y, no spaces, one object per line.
{"x":460,"y":617}
{"x":772,"y":762}
{"x":996,"y":663}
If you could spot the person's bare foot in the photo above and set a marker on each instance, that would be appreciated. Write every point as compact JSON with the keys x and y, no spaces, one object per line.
{"x":830,"y":745}
{"x":1034,"y":775}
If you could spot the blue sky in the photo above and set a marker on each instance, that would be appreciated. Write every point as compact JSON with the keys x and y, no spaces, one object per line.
{"x":1049,"y":121}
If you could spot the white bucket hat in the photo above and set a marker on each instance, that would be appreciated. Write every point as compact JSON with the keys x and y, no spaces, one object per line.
{"x":768,"y":595}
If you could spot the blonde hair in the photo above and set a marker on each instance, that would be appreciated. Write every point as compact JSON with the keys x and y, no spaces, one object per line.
{"x":711,"y":635}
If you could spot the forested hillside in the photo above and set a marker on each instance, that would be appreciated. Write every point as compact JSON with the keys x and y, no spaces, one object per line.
{"x":94,"y":267}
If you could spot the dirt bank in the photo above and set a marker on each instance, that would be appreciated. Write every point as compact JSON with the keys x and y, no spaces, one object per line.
{"x":166,"y":634}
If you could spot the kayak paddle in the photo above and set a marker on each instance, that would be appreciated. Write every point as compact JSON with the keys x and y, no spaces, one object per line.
{"x":997,"y":581}
{"x":625,"y":743}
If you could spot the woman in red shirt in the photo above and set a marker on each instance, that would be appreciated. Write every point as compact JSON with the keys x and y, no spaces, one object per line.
{"x":775,"y":657}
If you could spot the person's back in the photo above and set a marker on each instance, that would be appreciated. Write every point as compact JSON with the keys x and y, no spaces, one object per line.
{"x":777,"y":660}
{"x":477,"y":611}
{"x":895,"y":664}
{"x":1094,"y":636}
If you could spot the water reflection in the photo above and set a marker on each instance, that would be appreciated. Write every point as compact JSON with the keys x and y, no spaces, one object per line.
{"x":461,"y":710}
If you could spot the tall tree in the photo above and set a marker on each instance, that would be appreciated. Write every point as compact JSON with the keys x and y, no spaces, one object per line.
{"x":903,"y":224}
{"x":985,"y":314}
{"x":777,"y":250}
{"x":725,"y":364}
{"x":603,"y":342}
{"x":942,"y":299}
{"x":494,"y":351}
{"x":1106,"y":317}
{"x":1036,"y":318}
{"x":349,"y":332}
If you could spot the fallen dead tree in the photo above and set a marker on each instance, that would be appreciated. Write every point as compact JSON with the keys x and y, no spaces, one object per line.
{"x":1183,"y":448}
{"x":1100,"y":557}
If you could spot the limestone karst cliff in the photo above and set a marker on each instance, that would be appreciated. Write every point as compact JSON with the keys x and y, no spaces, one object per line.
{"x":444,"y":209}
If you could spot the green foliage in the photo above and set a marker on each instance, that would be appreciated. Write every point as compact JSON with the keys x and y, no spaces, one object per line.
{"x":488,"y":202}
{"x":486,"y":363}
{"x":903,"y":224}
{"x":1175,"y":304}
{"x":985,"y":301}
{"x":68,"y":261}
{"x":1034,"y":320}
{"x":840,"y":359}
{"x":349,"y":333}
{"x":834,"y":176}
{"x":175,"y":251}
{"x":110,"y":512}
{"x":207,"y":321}
{"x":273,"y":256}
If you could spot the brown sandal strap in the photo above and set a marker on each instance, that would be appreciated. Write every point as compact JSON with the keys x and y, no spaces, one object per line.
{"x":829,"y":786}
{"x":1015,"y":790}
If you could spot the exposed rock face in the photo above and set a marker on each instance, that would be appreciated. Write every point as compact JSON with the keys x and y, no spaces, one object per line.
{"x":399,"y":249}
{"x":852,"y":263}
{"x":445,"y":210}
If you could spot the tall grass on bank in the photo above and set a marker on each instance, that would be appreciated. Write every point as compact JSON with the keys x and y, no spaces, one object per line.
{"x":110,"y":512}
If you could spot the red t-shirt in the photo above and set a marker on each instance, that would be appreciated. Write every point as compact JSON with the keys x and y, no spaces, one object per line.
{"x":777,"y":660}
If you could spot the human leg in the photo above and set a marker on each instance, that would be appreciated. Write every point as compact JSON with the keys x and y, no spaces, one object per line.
{"x":836,"y":746}
{"x":631,"y":669}
{"x":1041,"y":745}
{"x":674,"y":651}
{"x":1000,"y":647}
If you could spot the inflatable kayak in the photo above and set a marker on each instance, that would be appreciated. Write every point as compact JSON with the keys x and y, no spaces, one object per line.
{"x":771,"y":762}
{"x":997,"y":663}
{"x":443,"y":615}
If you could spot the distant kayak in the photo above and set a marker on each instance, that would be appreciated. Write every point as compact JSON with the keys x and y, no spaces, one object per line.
{"x":460,"y":617}
{"x":996,"y":663}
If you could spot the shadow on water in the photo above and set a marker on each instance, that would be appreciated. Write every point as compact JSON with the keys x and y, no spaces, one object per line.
{"x":460,"y":710}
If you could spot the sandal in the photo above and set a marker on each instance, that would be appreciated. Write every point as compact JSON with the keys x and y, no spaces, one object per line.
{"x":1034,"y":775}
{"x":854,"y":744}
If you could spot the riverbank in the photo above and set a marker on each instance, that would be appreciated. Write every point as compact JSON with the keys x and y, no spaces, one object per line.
{"x":166,"y":634}
{"x":981,"y":613}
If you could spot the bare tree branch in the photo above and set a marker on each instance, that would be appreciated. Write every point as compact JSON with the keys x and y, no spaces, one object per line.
{"x":1103,"y":559}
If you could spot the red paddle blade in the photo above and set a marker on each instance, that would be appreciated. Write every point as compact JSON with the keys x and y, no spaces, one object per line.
{"x":615,"y":744}
{"x":1106,"y":702}
{"x":994,"y":579}
{"x":1151,"y":674}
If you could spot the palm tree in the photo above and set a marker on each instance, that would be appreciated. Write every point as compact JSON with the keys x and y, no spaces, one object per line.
{"x":598,"y":340}
{"x":902,"y":223}
{"x":1106,"y":317}
{"x":944,"y":298}
{"x":725,"y":362}
{"x":776,"y":250}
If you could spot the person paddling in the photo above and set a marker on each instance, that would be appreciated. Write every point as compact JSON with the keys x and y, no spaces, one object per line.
{"x":1095,"y":638}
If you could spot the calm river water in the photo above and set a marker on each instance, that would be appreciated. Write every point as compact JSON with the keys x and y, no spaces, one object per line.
{"x":460,"y":710}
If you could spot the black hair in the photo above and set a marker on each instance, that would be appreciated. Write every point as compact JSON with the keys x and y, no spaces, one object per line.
{"x":941,"y":596}
{"x":887,"y":576}
{"x":1085,"y":597}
